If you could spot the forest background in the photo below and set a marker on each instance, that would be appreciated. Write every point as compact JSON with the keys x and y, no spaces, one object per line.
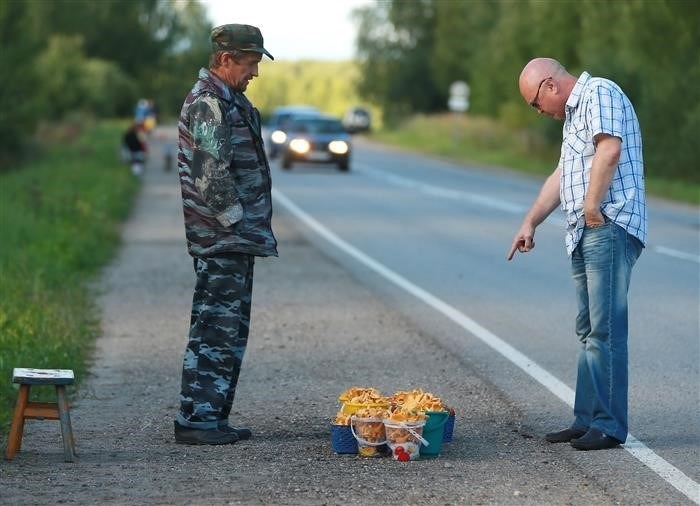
{"x":69,"y":58}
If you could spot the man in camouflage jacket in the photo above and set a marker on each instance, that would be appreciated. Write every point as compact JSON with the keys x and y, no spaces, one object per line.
{"x":227,"y":203}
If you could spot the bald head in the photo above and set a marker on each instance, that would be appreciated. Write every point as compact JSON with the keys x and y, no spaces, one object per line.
{"x":539,"y":69}
{"x":548,"y":77}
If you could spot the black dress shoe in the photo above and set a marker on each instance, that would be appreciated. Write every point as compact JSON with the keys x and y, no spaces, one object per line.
{"x":564,"y":436}
{"x":595,"y":440}
{"x":242,"y":432}
{"x":189,"y":436}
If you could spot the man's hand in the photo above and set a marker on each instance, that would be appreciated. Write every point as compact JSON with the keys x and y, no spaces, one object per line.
{"x":546,"y":202}
{"x":593,"y":217}
{"x":523,"y":241}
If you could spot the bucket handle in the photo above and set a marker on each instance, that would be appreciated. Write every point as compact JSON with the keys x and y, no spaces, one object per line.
{"x":359,"y":439}
{"x":420,"y":438}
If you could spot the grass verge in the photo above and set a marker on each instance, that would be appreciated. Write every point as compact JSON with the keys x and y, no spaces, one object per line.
{"x":469,"y":140}
{"x":60,"y":218}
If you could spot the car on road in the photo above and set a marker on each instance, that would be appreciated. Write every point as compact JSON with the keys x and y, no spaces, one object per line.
{"x":279,"y":122}
{"x":357,"y":119}
{"x":318,"y":139}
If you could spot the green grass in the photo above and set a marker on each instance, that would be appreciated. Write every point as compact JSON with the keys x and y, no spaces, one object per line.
{"x":477,"y":140}
{"x":679,"y":191}
{"x":60,"y":218}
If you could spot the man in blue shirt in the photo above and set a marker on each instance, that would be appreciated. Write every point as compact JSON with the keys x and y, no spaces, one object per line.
{"x":599,"y":183}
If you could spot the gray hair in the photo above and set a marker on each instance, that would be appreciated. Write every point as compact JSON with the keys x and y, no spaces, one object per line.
{"x":216,"y":56}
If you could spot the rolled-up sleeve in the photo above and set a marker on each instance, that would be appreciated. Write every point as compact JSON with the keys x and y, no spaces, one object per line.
{"x":606,"y":111}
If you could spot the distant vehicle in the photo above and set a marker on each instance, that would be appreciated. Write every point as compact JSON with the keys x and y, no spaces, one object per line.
{"x":357,"y":119}
{"x":317,"y":138}
{"x":278,"y":123}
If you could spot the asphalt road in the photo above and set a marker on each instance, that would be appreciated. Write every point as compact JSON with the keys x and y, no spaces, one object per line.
{"x":403,"y":289}
{"x":445,"y":229}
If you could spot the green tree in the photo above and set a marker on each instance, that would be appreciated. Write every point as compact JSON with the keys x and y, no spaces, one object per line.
{"x":395,"y":45}
{"x":169,"y":81}
{"x":411,"y":50}
{"x":504,"y":50}
{"x":660,"y":49}
{"x":460,"y":29}
{"x":132,"y":33}
{"x":60,"y":67}
{"x":137,"y":36}
{"x":330,"y":86}
{"x":107,"y":90}
{"x":65,"y":55}
{"x":72,"y":82}
{"x":18,"y":112}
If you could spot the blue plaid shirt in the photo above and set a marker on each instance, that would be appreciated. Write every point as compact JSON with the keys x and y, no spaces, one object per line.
{"x":596,"y":106}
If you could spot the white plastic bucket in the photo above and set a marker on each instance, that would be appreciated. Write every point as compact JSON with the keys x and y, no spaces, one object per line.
{"x":404,"y":438}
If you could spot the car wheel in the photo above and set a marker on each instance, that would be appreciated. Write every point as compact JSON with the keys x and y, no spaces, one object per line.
{"x":344,"y":165}
{"x":286,"y":163}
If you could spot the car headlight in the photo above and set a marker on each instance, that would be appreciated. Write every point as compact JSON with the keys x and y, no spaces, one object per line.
{"x":338,"y":147}
{"x":278,"y":137}
{"x":300,"y":146}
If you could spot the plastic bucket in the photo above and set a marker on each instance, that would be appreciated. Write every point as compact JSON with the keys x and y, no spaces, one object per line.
{"x":350,"y":408}
{"x":404,"y":438}
{"x":433,"y":431}
{"x":370,"y":435}
{"x":449,"y":429}
{"x":342,"y":440}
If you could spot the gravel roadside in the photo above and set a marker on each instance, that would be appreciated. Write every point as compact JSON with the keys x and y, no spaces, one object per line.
{"x":315,"y":331}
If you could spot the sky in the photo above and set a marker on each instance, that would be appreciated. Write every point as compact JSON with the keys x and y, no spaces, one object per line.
{"x":295,"y":29}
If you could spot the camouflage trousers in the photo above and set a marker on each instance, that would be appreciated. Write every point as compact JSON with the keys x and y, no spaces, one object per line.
{"x":218,"y":338}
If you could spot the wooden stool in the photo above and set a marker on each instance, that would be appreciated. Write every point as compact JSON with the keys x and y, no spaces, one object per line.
{"x":41,"y":410}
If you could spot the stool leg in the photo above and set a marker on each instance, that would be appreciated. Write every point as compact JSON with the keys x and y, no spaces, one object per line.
{"x":66,"y":429}
{"x":14,"y":440}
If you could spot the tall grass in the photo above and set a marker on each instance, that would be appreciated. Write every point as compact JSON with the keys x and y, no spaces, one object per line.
{"x":59,"y":223}
{"x":479,"y":140}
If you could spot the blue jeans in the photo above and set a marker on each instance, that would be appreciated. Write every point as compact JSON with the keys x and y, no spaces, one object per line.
{"x":602,"y":266}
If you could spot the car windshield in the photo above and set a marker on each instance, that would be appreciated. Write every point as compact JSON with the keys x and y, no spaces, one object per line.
{"x":318,"y":126}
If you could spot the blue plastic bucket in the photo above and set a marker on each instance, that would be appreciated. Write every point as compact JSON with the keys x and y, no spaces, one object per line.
{"x":449,"y":429}
{"x":342,"y":439}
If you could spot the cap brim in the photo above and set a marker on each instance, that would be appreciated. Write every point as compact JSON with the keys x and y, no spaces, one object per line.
{"x":259,"y":50}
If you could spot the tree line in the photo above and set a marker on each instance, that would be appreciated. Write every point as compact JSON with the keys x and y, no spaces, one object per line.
{"x":411,"y":50}
{"x":67,"y":57}
{"x":63,"y":57}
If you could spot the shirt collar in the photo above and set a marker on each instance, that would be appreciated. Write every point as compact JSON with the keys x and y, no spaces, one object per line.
{"x":572,"y":102}
{"x":215,"y":84}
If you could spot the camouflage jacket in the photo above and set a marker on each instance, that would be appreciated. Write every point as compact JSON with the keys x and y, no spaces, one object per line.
{"x":224,"y":172}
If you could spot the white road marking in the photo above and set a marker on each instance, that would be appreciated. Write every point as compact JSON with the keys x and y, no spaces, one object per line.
{"x":677,"y":254}
{"x":488,"y":202}
{"x":639,"y":450}
{"x":440,"y":191}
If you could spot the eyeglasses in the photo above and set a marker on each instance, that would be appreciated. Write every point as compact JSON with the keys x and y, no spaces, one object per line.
{"x":534,"y":100}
